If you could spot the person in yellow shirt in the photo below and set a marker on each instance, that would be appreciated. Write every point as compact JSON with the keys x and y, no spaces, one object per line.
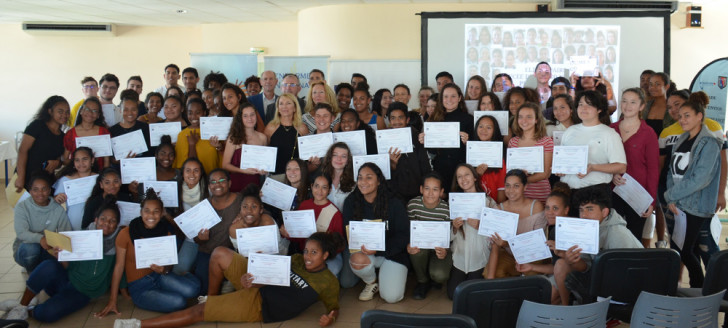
{"x":189,"y":143}
{"x":90,"y":88}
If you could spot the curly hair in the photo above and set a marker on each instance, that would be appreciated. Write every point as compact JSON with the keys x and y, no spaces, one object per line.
{"x":237,"y":128}
{"x":381,"y":200}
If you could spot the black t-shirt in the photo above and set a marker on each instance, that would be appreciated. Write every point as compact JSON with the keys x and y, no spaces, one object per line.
{"x":118,"y":130}
{"x":681,"y":158}
{"x":47,"y":146}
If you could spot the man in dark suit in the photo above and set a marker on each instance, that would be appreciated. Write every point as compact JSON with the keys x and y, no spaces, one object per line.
{"x":261,"y":101}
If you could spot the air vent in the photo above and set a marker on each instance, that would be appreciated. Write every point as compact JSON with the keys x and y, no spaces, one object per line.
{"x":617,"y":5}
{"x":69,"y":29}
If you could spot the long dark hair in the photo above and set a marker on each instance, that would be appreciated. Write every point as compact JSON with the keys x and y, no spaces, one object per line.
{"x":438,"y":115}
{"x":71,"y":168}
{"x":377,"y":102}
{"x":361,"y":125}
{"x":204,"y":192}
{"x":43,"y":114}
{"x":456,"y":187}
{"x":237,"y":128}
{"x":381,"y":201}
{"x":302,"y":190}
{"x":224,"y":112}
{"x":97,"y":187}
{"x":346,"y":182}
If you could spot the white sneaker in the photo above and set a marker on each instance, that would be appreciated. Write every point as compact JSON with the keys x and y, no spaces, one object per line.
{"x":661,"y":244}
{"x":8,"y":304}
{"x":201,"y":299}
{"x":127,"y":323}
{"x":368,"y":293}
{"x":19,"y":312}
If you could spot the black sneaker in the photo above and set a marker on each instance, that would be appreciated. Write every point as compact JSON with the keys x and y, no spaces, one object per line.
{"x":421,"y":291}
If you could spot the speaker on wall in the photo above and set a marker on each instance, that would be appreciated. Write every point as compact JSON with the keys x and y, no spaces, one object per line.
{"x":694,"y":16}
{"x":543,"y":8}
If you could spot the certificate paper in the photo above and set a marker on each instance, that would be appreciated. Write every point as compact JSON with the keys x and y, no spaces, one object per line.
{"x":500,"y":115}
{"x":584,"y":66}
{"x":581,"y":232}
{"x":201,"y":216}
{"x":129,"y":211}
{"x":278,"y":194}
{"x":78,"y":190}
{"x":381,"y":160}
{"x":395,"y":138}
{"x":466,"y":205}
{"x":430,"y":234}
{"x":132,"y":142}
{"x":262,"y":239}
{"x":678,"y":233}
{"x":101,"y":144}
{"x":166,"y":190}
{"x":472,"y":106}
{"x":529,"y":159}
{"x":494,"y":221}
{"x":558,"y":136}
{"x":442,"y":135}
{"x":160,"y":251}
{"x":138,"y":169}
{"x":530,"y":247}
{"x":258,"y":157}
{"x":314,"y":145}
{"x":367,"y":234}
{"x":157,"y":130}
{"x":356,"y":140}
{"x":484,"y":152}
{"x":86,"y":245}
{"x":215,"y":127}
{"x":570,"y":159}
{"x":300,"y":224}
{"x":270,"y":269}
{"x":634,"y":194}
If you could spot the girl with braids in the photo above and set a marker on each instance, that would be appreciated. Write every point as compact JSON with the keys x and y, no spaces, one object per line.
{"x":89,"y":122}
{"x":371,"y":201}
{"x":83,"y":166}
{"x":242,"y":132}
{"x":107,"y":183}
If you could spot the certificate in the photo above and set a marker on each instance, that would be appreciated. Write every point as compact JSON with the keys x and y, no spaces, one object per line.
{"x":529,"y":159}
{"x":472,"y":106}
{"x":430,"y":234}
{"x":262,"y":239}
{"x":678,"y":233}
{"x":484,"y":152}
{"x":300,"y":224}
{"x":129,"y":143}
{"x":86,"y":245}
{"x":157,"y":130}
{"x":395,"y":139}
{"x":100,"y":144}
{"x":270,"y":269}
{"x":356,"y":140}
{"x":258,"y":157}
{"x":200,"y":216}
{"x":129,"y":211}
{"x":166,"y":190}
{"x":558,"y":136}
{"x":581,"y":232}
{"x":367,"y":234}
{"x":634,"y":194}
{"x":501,"y":116}
{"x":215,"y":127}
{"x":442,"y":135}
{"x":314,"y":145}
{"x":138,"y":169}
{"x":466,"y":205}
{"x":584,"y":65}
{"x":78,"y":190}
{"x":381,"y":160}
{"x":570,"y":159}
{"x":529,"y":247}
{"x":494,"y":221}
{"x":160,"y":251}
{"x":277,"y":194}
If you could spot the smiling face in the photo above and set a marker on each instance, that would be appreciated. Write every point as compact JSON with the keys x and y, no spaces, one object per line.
{"x":318,"y":94}
{"x":194,"y":112}
{"x":286,"y":107}
{"x":339,"y":158}
{"x":171,"y":76}
{"x":555,"y":207}
{"x":588,"y":114}
{"x":386,"y":100}
{"x":190,"y":81}
{"x":689,"y":119}
{"x":320,"y":189}
{"x":423,"y":95}
{"x":129,"y":111}
{"x":361,"y":101}
{"x":107,"y":222}
{"x":517,"y":100}
{"x":165,"y":156}
{"x":514,"y":188}
{"x":543,"y":74}
{"x":398,"y":119}
{"x":108,"y":90}
{"x":486,"y":103}
{"x":268,"y":81}
{"x":250,"y":117}
{"x":251,"y":211}
{"x":367,"y":183}
{"x":252,"y":88}
{"x":90,"y":112}
{"x":323,"y":118}
{"x":474,"y":89}
{"x":151,"y":213}
{"x":631,"y":105}
{"x":154,"y":104}
{"x":90,"y":88}
{"x":402,"y":95}
{"x":527,"y":119}
{"x":82,"y":161}
{"x":219,"y":185}
{"x":230,"y":99}
{"x":191,"y":173}
{"x":40,"y":191}
{"x":485,"y":129}
{"x":134,"y":85}
{"x":450,"y":99}
{"x":673,"y":106}
{"x":349,"y":122}
{"x":465,"y":179}
{"x":343,"y":97}
{"x":562,"y":111}
{"x":172,"y":110}
{"x":431,"y":192}
{"x":110,"y":184}
{"x":657,"y":86}
{"x":314,"y":257}
{"x":60,"y":112}
{"x":293,"y":172}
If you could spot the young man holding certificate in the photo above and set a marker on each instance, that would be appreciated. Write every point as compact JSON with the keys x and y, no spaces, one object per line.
{"x":407,"y":168}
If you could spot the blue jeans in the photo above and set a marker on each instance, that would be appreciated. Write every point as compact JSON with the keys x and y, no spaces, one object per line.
{"x":202,"y":271}
{"x":163,"y":293}
{"x":65,"y":299}
{"x":334,"y":264}
{"x":347,"y":278}
{"x":186,"y":257}
{"x":30,"y":256}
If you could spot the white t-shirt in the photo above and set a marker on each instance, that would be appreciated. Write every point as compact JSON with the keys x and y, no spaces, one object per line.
{"x":605,"y":146}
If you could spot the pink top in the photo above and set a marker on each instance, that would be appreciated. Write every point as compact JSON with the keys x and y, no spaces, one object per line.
{"x":643,"y":152}
{"x":537,"y":190}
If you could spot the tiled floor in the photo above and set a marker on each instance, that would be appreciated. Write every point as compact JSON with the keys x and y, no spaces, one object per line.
{"x":12,"y":286}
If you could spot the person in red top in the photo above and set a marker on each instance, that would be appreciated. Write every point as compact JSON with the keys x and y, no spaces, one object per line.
{"x":89,"y":122}
{"x":492,"y":179}
{"x":642,"y":150}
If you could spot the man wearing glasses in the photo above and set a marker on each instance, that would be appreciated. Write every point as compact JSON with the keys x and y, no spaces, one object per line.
{"x":290,"y":84}
{"x":90,"y":88}
{"x":109,"y":86}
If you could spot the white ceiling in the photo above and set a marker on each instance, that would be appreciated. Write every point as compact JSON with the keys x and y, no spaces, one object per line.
{"x":164,"y":12}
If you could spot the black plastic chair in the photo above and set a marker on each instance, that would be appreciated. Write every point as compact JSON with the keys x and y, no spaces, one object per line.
{"x":715,"y":280}
{"x":624,"y":273}
{"x":496,"y":303}
{"x":13,"y":323}
{"x":387,"y":319}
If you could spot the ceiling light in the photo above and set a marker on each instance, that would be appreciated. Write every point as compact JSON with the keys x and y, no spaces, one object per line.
{"x":181,"y":11}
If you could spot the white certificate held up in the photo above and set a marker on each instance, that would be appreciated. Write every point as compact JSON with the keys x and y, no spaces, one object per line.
{"x":300,"y":224}
{"x":584,"y":65}
{"x":314,"y":145}
{"x":78,"y":190}
{"x":166,"y":190}
{"x":100,"y":144}
{"x":634,"y":194}
{"x":529,"y":247}
{"x":484,"y":152}
{"x":278,"y":194}
{"x":430,"y":234}
{"x":368,"y":234}
{"x":501,"y":116}
{"x":558,"y":135}
{"x":466,"y":205}
{"x":129,"y":143}
{"x":258,"y":157}
{"x":200,"y":216}
{"x":493,"y":221}
{"x":215,"y":127}
{"x":570,"y":159}
{"x":157,"y":130}
{"x":263,"y":239}
{"x":394,"y":138}
{"x":381,"y":160}
{"x":581,"y":232}
{"x":442,"y":135}
{"x":272,"y":270}
{"x":86,"y":245}
{"x":160,"y":251}
{"x":356,"y":140}
{"x":529,"y":159}
{"x":138,"y":169}
{"x":129,"y":211}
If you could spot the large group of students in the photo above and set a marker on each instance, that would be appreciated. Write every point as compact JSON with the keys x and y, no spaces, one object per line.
{"x":662,"y":140}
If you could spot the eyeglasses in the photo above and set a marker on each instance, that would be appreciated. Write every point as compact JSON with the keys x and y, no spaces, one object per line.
{"x":214,"y":182}
{"x":93,"y":111}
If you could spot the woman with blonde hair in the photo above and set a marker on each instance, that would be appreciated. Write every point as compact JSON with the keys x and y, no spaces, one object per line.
{"x":284,"y":129}
{"x":319,"y":92}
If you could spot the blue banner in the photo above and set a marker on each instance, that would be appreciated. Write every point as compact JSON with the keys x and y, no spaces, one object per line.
{"x":299,"y":65}
{"x":713,"y":80}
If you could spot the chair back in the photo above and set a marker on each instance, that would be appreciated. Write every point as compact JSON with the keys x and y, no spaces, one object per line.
{"x":387,"y":319}
{"x":716,"y":273}
{"x":495,"y":303}
{"x":534,"y":315}
{"x":680,"y":312}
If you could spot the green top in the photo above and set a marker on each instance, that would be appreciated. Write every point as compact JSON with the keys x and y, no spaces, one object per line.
{"x":92,"y":278}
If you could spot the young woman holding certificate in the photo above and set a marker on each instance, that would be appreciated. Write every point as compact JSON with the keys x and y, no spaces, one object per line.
{"x":529,"y":130}
{"x":284,"y":129}
{"x":362,"y":98}
{"x":89,"y":123}
{"x":189,"y":144}
{"x":350,"y":121}
{"x":192,"y":188}
{"x":82,"y":160}
{"x":338,"y":165}
{"x":174,"y":110}
{"x":108,"y":182}
{"x":129,"y":123}
{"x":242,"y":132}
{"x":492,"y":179}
